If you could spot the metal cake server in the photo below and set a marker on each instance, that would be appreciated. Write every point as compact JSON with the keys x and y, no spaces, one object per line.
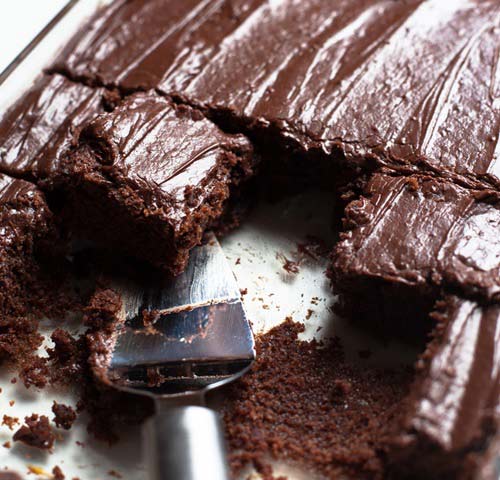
{"x":175,"y":342}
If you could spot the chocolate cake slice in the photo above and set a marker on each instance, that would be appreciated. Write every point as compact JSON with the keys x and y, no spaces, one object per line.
{"x":404,"y":84}
{"x":27,"y":227}
{"x":25,"y":221}
{"x":149,"y":178}
{"x":406,"y":238}
{"x":42,"y":124}
{"x":453,"y":411}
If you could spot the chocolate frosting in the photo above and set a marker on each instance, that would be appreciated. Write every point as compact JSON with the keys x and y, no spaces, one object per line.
{"x":455,"y":402}
{"x":422,"y":231}
{"x":136,"y":44}
{"x":11,"y":189}
{"x":41,"y":125}
{"x":408,"y":83}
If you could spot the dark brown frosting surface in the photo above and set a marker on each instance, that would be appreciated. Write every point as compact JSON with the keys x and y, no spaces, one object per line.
{"x":456,"y":400}
{"x":42,"y":124}
{"x":411,"y":81}
{"x":418,"y":230}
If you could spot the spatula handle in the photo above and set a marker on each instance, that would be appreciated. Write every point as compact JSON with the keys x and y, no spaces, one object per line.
{"x":185,"y":443}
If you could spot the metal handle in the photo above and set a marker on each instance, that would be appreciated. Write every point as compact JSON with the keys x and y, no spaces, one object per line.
{"x":185,"y":443}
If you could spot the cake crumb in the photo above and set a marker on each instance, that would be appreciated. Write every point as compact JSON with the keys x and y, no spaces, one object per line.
{"x":64,"y":415}
{"x":58,"y":473}
{"x":265,"y":471}
{"x":12,"y":403}
{"x":114,"y":473}
{"x":155,"y":378}
{"x":36,"y":432}
{"x":9,"y":421}
{"x":7,"y":445}
{"x":412,"y":183}
{"x":289,"y":266}
{"x":35,"y":372}
{"x":150,"y":317}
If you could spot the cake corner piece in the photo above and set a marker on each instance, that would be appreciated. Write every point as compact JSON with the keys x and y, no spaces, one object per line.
{"x":453,"y":410}
{"x":148,"y":178}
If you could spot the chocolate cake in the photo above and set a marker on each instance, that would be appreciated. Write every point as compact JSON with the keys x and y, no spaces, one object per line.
{"x":145,"y":127}
{"x":406,"y":238}
{"x":404,"y":84}
{"x":148,"y":178}
{"x":26,"y":226}
{"x":454,"y":408}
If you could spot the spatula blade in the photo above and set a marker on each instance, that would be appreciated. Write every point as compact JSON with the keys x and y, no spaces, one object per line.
{"x":187,"y":334}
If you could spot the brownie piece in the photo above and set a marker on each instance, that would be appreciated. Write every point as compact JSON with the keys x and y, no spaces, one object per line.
{"x":25,"y":220}
{"x":408,"y":237}
{"x":41,"y":125}
{"x":26,"y":227}
{"x":405,"y":84}
{"x":453,"y":410}
{"x":148,"y":178}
